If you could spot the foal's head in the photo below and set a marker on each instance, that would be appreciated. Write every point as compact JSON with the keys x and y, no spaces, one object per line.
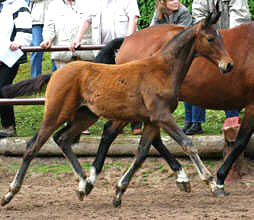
{"x":209,"y":43}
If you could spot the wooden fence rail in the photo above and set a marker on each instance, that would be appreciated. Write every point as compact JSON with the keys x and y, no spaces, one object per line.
{"x":41,"y":101}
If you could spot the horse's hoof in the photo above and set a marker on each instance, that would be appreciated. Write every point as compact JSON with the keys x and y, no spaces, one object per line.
{"x":80,"y":195}
{"x":4,"y":201}
{"x":220,"y":192}
{"x":184,"y":186}
{"x":89,"y":188}
{"x":117,"y":203}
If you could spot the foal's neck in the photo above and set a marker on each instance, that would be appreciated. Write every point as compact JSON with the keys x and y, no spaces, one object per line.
{"x":179,"y":53}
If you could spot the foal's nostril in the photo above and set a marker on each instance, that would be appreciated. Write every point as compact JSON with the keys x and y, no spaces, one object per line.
{"x":229,"y":67}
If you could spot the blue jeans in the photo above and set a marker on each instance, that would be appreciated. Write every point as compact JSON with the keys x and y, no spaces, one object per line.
{"x":36,"y":57}
{"x":231,"y":113}
{"x":194,"y":113}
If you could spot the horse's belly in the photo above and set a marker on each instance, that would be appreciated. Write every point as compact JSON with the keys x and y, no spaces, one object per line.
{"x":117,"y":111}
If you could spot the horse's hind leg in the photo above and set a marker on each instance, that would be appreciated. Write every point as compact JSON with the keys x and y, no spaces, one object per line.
{"x":64,"y":138}
{"x":110,"y":132}
{"x":148,"y":135}
{"x":32,"y":148}
{"x":182,"y":180}
{"x":239,"y":145}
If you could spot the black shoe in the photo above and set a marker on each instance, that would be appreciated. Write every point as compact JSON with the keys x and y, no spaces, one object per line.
{"x":8,"y":132}
{"x":194,"y":129}
{"x":187,"y":126}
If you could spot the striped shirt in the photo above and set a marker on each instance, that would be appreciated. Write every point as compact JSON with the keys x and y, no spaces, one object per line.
{"x":16,"y":22}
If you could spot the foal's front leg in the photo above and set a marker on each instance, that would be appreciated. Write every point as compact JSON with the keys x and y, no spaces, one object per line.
{"x":164,"y":119}
{"x":182,"y":180}
{"x":148,"y":135}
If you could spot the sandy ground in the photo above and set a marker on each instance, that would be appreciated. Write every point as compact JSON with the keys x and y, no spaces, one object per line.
{"x":152,"y":194}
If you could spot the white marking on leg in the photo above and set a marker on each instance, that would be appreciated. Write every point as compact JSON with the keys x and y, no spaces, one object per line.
{"x":14,"y":182}
{"x":8,"y":196}
{"x":82,"y":185}
{"x":215,"y":186}
{"x":182,"y":176}
{"x":120,"y":184}
{"x":92,"y":176}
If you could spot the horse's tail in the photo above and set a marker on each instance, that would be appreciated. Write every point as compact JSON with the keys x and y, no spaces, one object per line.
{"x":107,"y":53}
{"x":25,"y":87}
{"x":35,"y":85}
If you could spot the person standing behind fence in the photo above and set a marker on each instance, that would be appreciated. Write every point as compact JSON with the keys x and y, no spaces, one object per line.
{"x":15,"y":31}
{"x":60,"y":28}
{"x":233,"y":13}
{"x":38,"y":10}
{"x":109,"y":19}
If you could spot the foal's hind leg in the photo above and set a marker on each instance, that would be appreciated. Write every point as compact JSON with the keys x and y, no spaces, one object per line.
{"x":64,"y":138}
{"x":32,"y":148}
{"x":110,"y":132}
{"x":148,"y":135}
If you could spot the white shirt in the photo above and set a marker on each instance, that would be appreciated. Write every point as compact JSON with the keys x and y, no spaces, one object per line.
{"x":109,"y":18}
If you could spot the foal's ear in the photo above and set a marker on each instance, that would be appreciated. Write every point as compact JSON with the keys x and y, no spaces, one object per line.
{"x":213,"y":17}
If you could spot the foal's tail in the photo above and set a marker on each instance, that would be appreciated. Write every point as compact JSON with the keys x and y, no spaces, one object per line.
{"x":107,"y":53}
{"x":25,"y":87}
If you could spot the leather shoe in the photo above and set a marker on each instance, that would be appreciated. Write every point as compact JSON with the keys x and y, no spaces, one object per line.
{"x":194,"y":129}
{"x":8,"y":132}
{"x":187,"y":126}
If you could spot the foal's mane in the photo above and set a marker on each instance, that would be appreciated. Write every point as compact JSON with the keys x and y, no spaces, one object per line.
{"x":176,"y":39}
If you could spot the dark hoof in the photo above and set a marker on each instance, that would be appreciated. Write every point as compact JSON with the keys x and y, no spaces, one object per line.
{"x":80,"y":195}
{"x":4,"y":202}
{"x":184,"y":186}
{"x":89,"y":188}
{"x":117,"y":203}
{"x":3,"y":135}
{"x":220,"y":192}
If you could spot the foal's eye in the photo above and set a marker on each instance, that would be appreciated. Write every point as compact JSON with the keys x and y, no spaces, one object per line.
{"x":210,"y":39}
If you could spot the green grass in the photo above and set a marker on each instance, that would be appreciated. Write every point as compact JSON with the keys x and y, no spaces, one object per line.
{"x":28,"y":118}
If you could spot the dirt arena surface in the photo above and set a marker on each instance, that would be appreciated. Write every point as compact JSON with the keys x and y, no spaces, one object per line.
{"x":152,"y":194}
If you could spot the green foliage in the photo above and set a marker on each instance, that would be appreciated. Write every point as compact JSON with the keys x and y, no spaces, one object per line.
{"x":251,"y":7}
{"x":146,"y":8}
{"x":187,"y":3}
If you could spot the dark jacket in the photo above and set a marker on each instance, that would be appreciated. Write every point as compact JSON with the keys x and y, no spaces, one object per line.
{"x":180,"y":17}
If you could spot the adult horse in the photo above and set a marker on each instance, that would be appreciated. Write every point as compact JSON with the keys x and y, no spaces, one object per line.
{"x":203,"y":85}
{"x":81,"y":92}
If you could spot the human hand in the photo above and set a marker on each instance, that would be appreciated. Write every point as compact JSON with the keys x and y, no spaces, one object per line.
{"x":45,"y":44}
{"x":14,"y":46}
{"x":73,"y":45}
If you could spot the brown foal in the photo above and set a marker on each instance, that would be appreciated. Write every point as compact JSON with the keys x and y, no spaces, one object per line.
{"x":144,"y":90}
